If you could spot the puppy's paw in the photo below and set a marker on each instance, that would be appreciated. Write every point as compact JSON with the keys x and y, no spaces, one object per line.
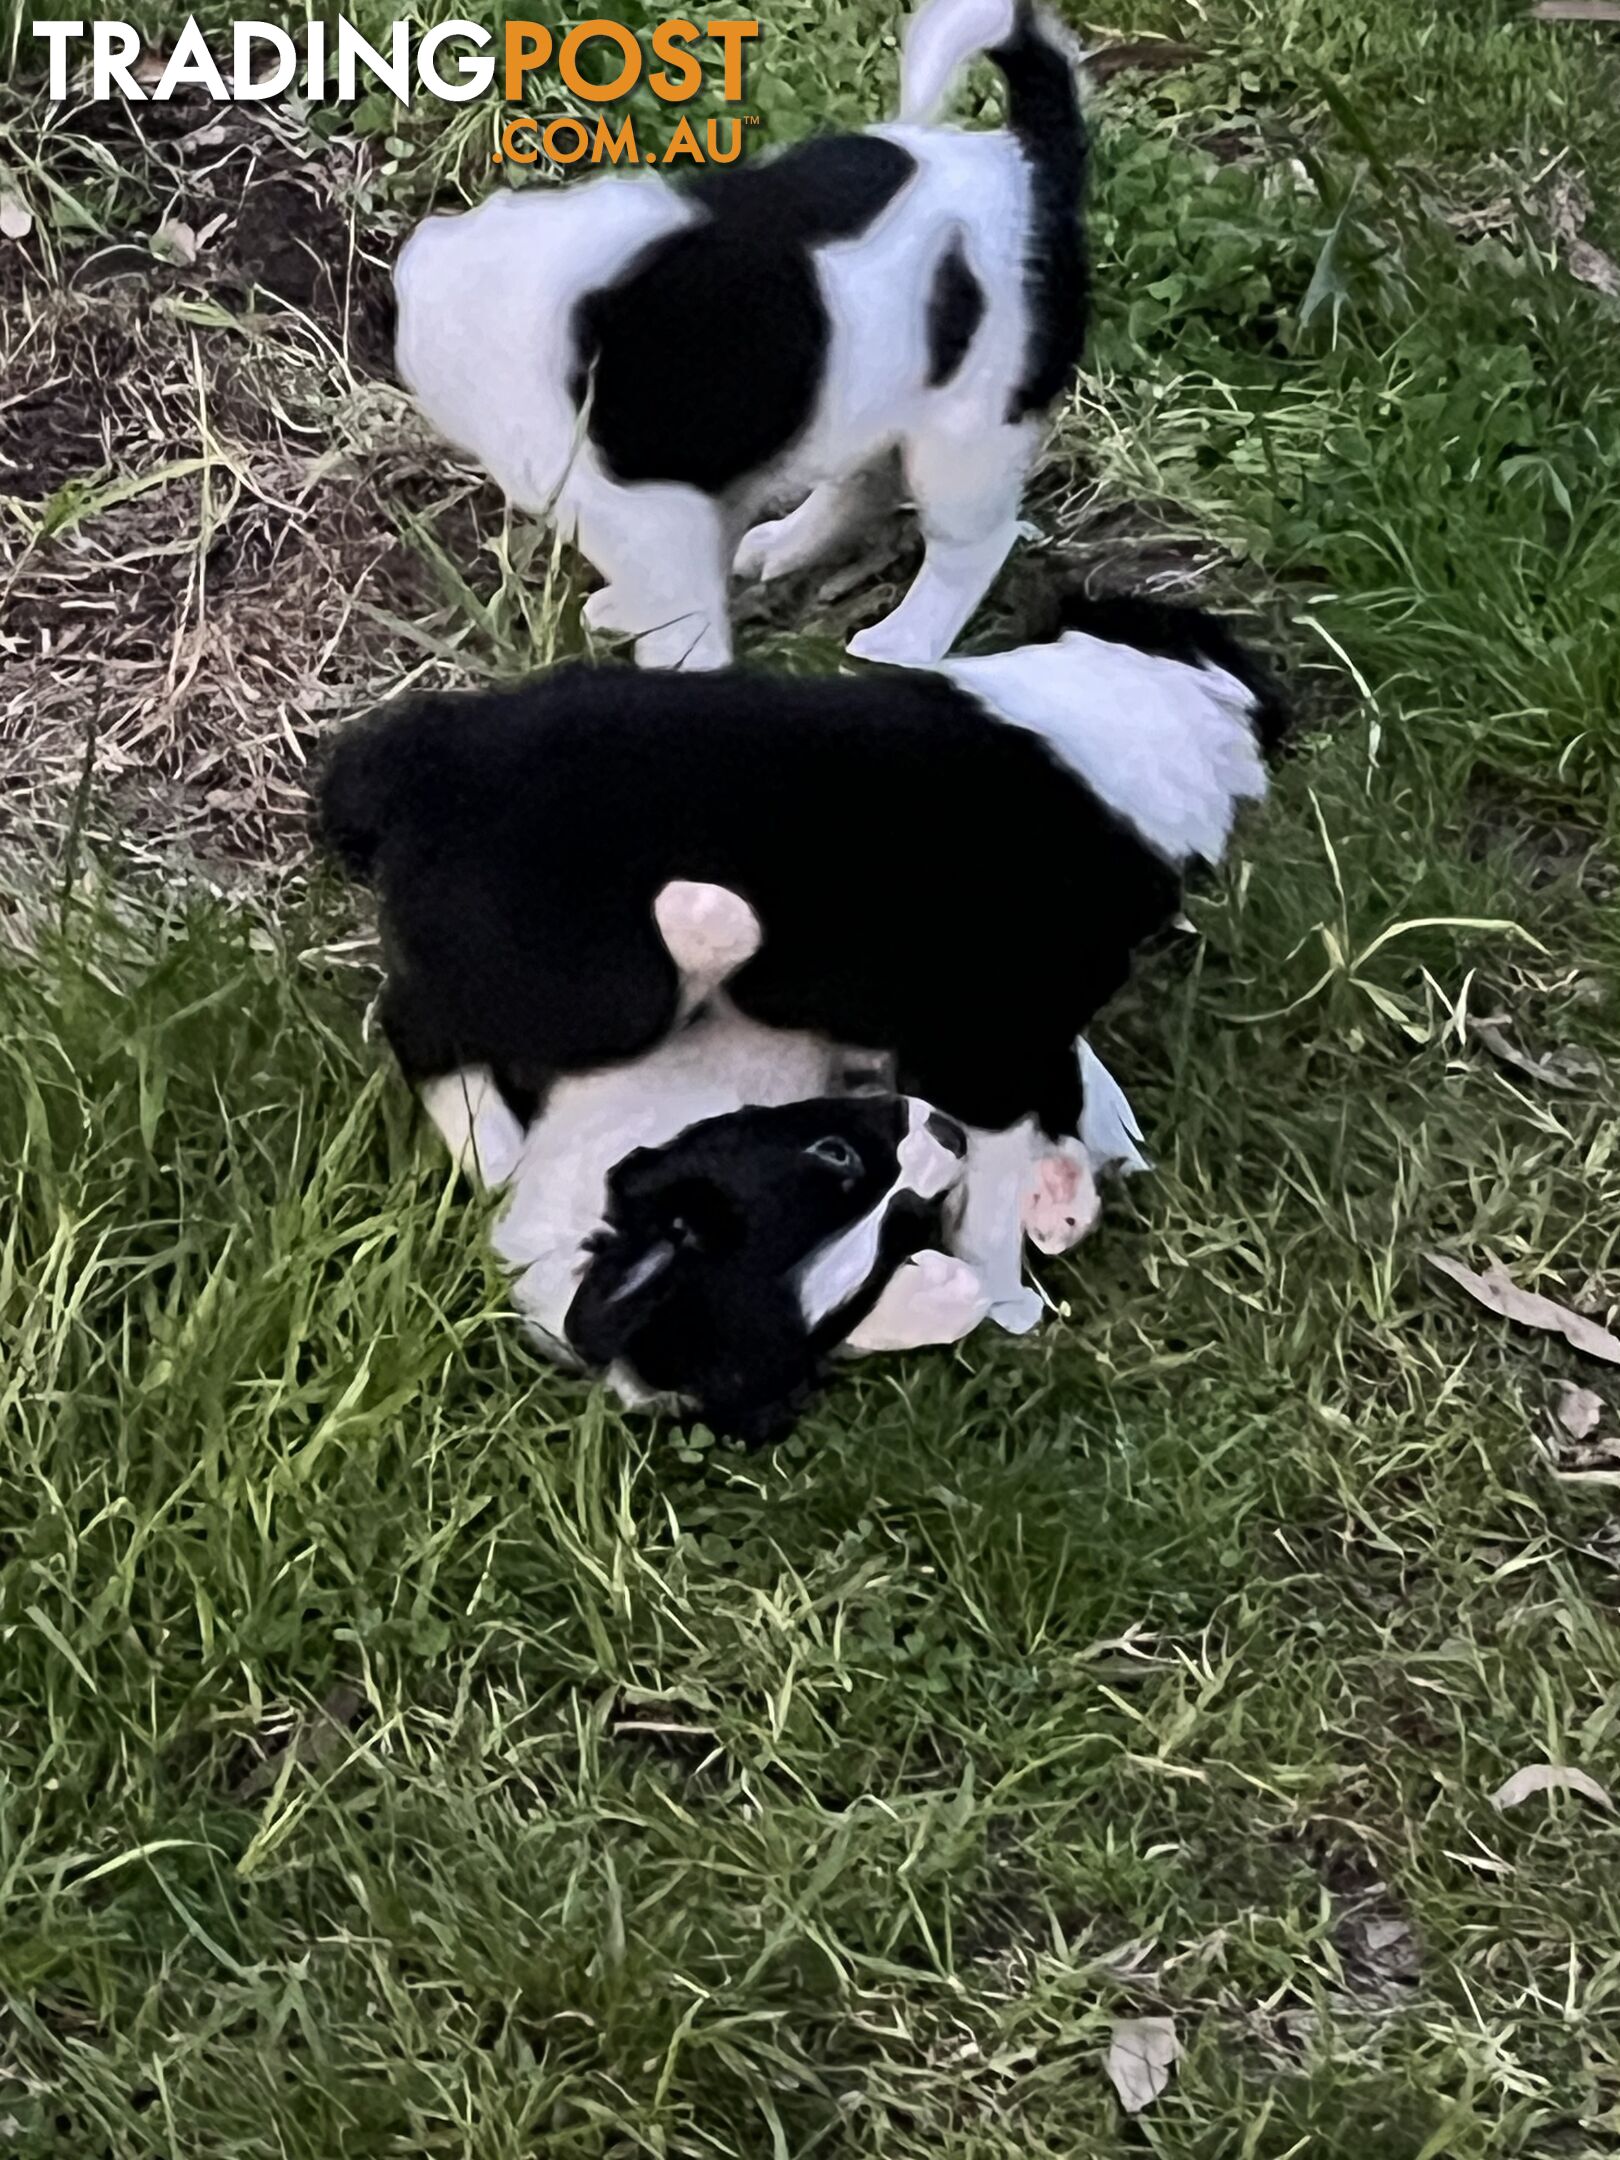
{"x":1060,"y":1205}
{"x":932,"y":1298}
{"x":608,"y":610}
{"x":765,"y":552}
{"x":1017,"y":1312}
{"x":895,"y":644}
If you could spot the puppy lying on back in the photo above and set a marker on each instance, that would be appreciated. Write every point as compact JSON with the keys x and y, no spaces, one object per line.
{"x":657,"y":363}
{"x":952,"y":868}
{"x":708,"y":1223}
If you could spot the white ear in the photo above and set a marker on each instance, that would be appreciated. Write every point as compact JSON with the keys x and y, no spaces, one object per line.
{"x":708,"y":932}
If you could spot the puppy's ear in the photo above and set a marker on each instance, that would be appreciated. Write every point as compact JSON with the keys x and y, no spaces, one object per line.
{"x":624,"y":1291}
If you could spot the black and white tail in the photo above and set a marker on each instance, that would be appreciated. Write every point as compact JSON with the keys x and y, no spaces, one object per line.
{"x":1038,"y":65}
{"x":1160,"y":710}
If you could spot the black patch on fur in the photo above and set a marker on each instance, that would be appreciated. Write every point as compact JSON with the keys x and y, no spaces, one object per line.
{"x":694,"y":1282}
{"x":518,"y":838}
{"x":955,"y":311}
{"x":1043,"y":113}
{"x":703,"y":361}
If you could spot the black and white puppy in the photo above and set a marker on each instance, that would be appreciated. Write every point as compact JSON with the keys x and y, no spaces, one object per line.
{"x":952,"y":867}
{"x":655,"y":364}
{"x":739,"y":1256}
{"x":706,"y":1223}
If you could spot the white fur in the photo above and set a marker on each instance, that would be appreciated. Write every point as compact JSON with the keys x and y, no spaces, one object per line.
{"x":708,"y":932}
{"x":486,"y":302}
{"x":1109,"y":1132}
{"x":939,"y":42}
{"x":931,"y":1298}
{"x":990,"y":1236}
{"x":1166,"y":744}
{"x":591,"y":1121}
{"x":924,"y":1167}
{"x":483,"y":1136}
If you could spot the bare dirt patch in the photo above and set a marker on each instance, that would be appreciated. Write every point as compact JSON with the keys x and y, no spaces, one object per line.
{"x":206,"y":480}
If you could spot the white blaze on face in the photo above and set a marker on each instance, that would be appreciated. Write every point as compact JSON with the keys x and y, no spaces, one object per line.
{"x":926,"y":1168}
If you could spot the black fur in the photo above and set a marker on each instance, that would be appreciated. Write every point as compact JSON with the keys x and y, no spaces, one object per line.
{"x":680,"y":387}
{"x":693,"y":1284}
{"x":929,"y":880}
{"x":955,"y":311}
{"x":1043,"y":112}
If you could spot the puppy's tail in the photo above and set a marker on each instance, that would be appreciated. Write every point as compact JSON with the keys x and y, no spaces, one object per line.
{"x":1163,"y":714}
{"x":1032,"y":53}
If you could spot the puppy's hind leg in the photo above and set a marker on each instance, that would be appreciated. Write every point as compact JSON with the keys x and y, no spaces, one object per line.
{"x":968,"y":488}
{"x":807,"y":535}
{"x":664,"y":552}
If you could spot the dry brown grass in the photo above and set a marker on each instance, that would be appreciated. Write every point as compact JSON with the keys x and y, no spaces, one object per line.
{"x":205,"y":475}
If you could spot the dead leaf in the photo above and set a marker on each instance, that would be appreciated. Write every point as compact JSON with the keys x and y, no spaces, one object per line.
{"x":1548,"y":1070}
{"x":175,"y":242}
{"x":1571,"y":205}
{"x":1578,"y":1410}
{"x":314,"y":1741}
{"x":1499,"y":1293}
{"x":16,"y":219}
{"x":1149,"y":55}
{"x":1548,"y":1777}
{"x":1594,"y":268}
{"x":1141,"y":2055}
{"x":1588,"y":1462}
{"x":1606,"y":11}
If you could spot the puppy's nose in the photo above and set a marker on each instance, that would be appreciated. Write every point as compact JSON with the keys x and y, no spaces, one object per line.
{"x":946,"y":1131}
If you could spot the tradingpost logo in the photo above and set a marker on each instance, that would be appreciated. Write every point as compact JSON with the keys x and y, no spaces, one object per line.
{"x":455,"y":61}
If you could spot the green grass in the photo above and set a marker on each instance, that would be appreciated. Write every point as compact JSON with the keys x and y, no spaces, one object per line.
{"x":401,"y":1754}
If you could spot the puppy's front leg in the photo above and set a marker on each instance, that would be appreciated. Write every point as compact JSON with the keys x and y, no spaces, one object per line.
{"x":991,"y":1236}
{"x":475,"y":1123}
{"x":931,"y":1298}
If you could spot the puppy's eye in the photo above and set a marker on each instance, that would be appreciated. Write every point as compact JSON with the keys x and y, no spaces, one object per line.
{"x":836,"y":1154}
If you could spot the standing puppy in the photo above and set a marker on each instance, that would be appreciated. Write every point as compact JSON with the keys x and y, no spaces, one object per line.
{"x":952,"y":867}
{"x":655,"y":364}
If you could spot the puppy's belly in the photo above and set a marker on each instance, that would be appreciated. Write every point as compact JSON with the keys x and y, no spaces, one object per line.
{"x":558,"y":1186}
